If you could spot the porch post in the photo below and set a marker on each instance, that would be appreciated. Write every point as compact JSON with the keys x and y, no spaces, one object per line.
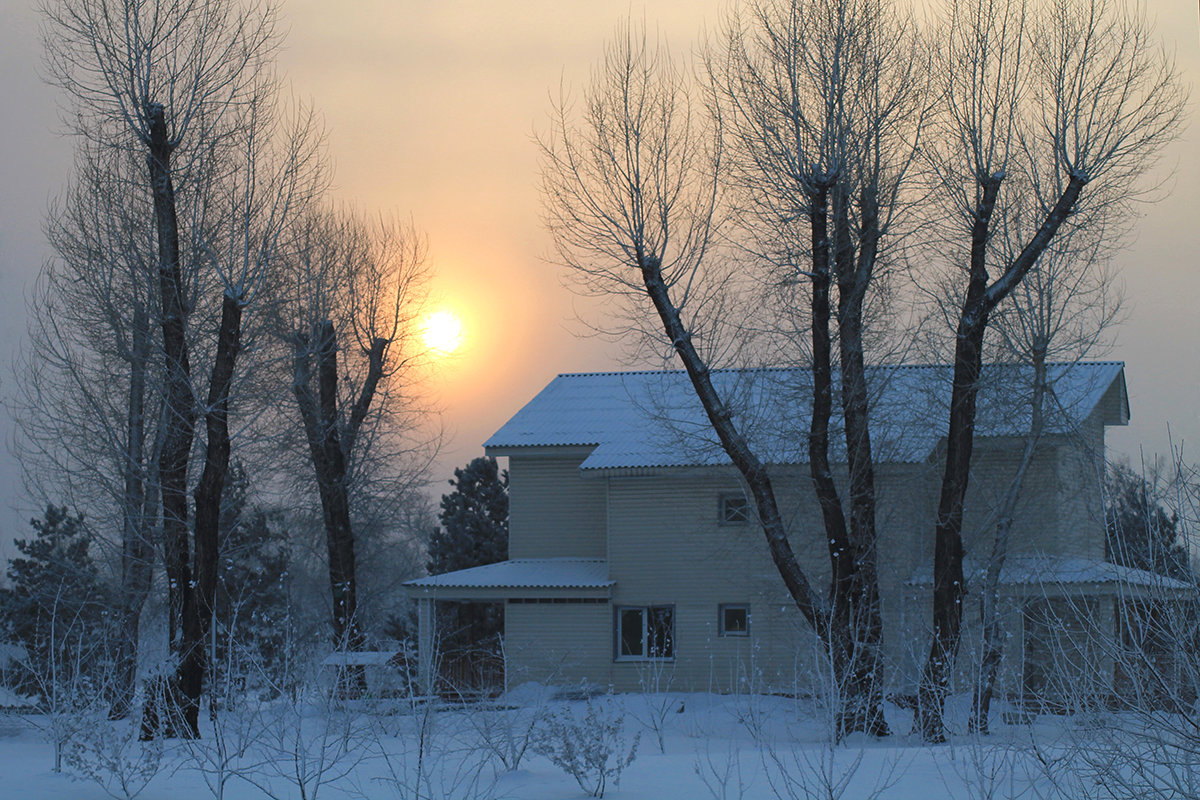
{"x":425,"y":639}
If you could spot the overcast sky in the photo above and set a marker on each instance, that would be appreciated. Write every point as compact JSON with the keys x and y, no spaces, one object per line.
{"x":431,"y":106}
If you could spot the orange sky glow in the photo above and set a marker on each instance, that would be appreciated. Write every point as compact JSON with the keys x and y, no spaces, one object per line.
{"x":431,"y":109}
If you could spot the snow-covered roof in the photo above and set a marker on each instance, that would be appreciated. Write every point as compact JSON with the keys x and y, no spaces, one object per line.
{"x":524,"y":573}
{"x":653,"y":419}
{"x":1035,"y":569}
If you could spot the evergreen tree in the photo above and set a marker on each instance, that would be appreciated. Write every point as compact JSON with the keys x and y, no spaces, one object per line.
{"x":474,"y":532}
{"x":474,"y":519}
{"x":54,"y":606}
{"x":1142,"y":534}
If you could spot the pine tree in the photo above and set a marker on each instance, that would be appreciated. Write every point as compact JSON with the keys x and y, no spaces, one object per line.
{"x":1142,"y":534}
{"x":473,"y":533}
{"x":54,"y":606}
{"x":474,"y":519}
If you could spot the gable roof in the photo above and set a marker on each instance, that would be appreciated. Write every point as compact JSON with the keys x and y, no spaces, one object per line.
{"x":653,"y":419}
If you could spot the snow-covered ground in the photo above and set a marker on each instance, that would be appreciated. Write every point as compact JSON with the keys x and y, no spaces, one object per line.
{"x":712,"y":746}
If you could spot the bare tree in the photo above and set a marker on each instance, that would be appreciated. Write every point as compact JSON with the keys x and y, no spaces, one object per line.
{"x":85,"y":389}
{"x":1062,"y":312}
{"x":1064,"y":108}
{"x":824,"y":101}
{"x":353,"y":296}
{"x":631,"y":197}
{"x":188,"y":86}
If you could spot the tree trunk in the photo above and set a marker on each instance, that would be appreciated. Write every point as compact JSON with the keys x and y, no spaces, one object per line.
{"x":322,"y":429}
{"x":993,"y":630}
{"x":180,"y":415}
{"x":192,"y":666}
{"x":980,"y":300}
{"x":864,"y":680}
{"x":853,"y":664}
{"x":841,"y":556}
{"x":136,"y":549}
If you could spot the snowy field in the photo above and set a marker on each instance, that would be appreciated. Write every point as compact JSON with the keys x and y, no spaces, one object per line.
{"x":711,"y":746}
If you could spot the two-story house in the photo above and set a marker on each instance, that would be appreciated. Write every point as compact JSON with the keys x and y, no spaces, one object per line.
{"x":633,"y":546}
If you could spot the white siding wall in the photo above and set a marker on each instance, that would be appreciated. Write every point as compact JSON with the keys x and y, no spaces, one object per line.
{"x":559,"y":644}
{"x":665,"y":546}
{"x":554,"y":511}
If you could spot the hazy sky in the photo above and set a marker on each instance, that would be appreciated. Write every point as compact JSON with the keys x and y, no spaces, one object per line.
{"x":431,"y":106}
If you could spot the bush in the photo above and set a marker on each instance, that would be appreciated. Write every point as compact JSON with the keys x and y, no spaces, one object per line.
{"x":591,"y":748}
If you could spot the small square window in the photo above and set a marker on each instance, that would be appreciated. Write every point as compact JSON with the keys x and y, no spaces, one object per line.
{"x":735,"y":510}
{"x":734,"y":620}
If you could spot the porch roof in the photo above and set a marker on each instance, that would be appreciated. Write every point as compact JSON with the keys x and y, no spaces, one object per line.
{"x":1027,"y":571}
{"x":521,"y":573}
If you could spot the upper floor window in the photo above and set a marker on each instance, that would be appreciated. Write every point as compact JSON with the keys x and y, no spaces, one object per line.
{"x":734,"y":619}
{"x":734,"y":509}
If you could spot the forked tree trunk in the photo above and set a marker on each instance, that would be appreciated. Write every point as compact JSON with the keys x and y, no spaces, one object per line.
{"x":330,"y":444}
{"x":854,"y":662}
{"x":864,"y":680}
{"x":841,"y":554}
{"x":981,"y":299}
{"x":179,"y":415}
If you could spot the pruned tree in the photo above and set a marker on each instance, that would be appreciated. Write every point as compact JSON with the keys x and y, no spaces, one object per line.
{"x":86,"y":382}
{"x":824,"y":102}
{"x":1062,"y":313}
{"x":1050,"y":115}
{"x":188,"y":87}
{"x":353,"y":293}
{"x":632,"y":200}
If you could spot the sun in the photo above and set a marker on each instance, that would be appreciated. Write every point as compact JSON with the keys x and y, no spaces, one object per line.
{"x":441,"y":331}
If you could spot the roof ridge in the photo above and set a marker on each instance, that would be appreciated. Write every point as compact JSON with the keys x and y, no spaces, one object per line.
{"x":926,"y":365}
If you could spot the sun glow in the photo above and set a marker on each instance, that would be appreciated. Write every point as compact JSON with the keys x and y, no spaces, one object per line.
{"x":441,"y":331}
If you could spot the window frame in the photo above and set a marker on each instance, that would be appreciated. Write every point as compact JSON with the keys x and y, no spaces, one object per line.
{"x":646,"y":612}
{"x":722,"y":630}
{"x":723,"y":517}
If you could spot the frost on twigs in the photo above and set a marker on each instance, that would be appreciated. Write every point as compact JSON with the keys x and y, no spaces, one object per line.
{"x":110,"y":754}
{"x":590,"y":747}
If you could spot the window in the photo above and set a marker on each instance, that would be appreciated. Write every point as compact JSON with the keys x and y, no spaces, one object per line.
{"x":645,"y":632}
{"x":734,"y":509}
{"x":733,"y":619}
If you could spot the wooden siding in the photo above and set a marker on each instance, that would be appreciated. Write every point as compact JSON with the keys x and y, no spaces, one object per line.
{"x":666,"y":545}
{"x":558,"y":644}
{"x":554,"y":512}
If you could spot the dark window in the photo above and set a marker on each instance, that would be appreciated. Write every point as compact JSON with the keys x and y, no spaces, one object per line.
{"x":734,"y":620}
{"x":660,"y":632}
{"x":632,"y":622}
{"x":735,"y":510}
{"x":645,"y":632}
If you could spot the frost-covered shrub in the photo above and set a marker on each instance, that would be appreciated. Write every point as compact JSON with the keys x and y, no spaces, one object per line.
{"x":510,"y":728}
{"x":590,"y":747}
{"x":426,"y":755}
{"x":111,"y":755}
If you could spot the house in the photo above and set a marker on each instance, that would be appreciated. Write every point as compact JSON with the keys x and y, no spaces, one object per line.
{"x":634,"y":551}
